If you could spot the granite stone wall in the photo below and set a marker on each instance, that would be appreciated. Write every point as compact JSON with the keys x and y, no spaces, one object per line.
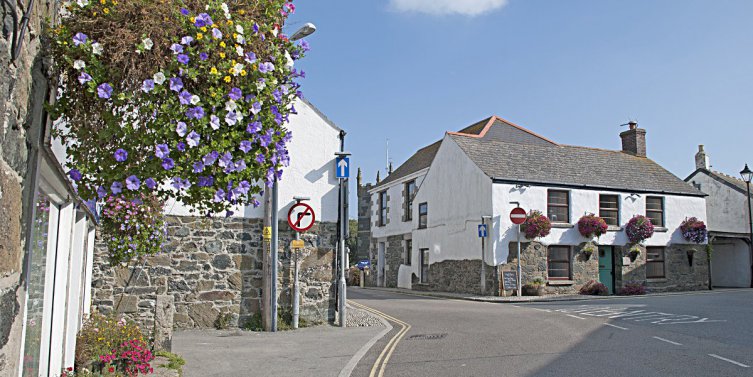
{"x":212,"y":267}
{"x":23,"y":89}
{"x":680,"y":275}
{"x":459,"y":276}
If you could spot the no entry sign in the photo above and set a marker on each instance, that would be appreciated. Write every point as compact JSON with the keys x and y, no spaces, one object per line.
{"x":518,"y":216}
{"x":301,"y":217}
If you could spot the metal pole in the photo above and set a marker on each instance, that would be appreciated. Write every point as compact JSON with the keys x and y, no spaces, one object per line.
{"x":274,"y":245}
{"x":750,"y":222}
{"x":520,"y":293}
{"x":296,"y":297}
{"x":341,"y":285}
{"x":483,"y":264}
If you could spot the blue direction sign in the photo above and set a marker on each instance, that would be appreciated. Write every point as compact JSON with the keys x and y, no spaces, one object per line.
{"x":364,"y":263}
{"x":482,"y":230}
{"x":342,"y":166}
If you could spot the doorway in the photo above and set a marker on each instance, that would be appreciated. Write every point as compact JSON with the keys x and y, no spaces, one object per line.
{"x":380,"y":265}
{"x":606,"y":267}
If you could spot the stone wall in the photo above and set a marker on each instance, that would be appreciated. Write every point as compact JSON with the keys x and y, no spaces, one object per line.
{"x":23,"y":87}
{"x":393,"y":258}
{"x":214,"y":266}
{"x":680,"y":275}
{"x":459,"y":276}
{"x":364,"y":220}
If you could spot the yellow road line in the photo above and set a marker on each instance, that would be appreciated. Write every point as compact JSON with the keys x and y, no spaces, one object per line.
{"x":384,"y":356}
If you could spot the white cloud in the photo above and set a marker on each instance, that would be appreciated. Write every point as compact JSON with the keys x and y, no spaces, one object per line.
{"x":442,"y":7}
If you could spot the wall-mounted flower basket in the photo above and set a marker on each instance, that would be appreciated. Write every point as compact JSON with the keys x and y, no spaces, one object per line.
{"x":536,"y":225}
{"x":591,"y":225}
{"x":634,"y":252}
{"x":639,"y":229}
{"x":588,"y":250}
{"x":694,"y":230}
{"x":690,"y":253}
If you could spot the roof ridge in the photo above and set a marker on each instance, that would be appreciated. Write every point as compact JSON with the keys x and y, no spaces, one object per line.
{"x":490,"y":123}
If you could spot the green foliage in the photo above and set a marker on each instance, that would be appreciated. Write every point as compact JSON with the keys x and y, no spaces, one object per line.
{"x":100,"y":334}
{"x":174,"y":362}
{"x":255,"y":323}
{"x":223,"y":321}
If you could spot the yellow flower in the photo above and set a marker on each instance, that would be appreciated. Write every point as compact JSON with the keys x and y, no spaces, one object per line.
{"x":204,"y":29}
{"x":213,"y":70}
{"x":235,"y":35}
{"x":199,"y":36}
{"x":222,"y":55}
{"x":106,"y":11}
{"x":231,"y":71}
{"x":243,"y":72}
{"x":222,"y":44}
{"x":229,"y":22}
{"x":193,"y":20}
{"x":241,"y":12}
{"x":103,"y":2}
{"x":227,"y":79}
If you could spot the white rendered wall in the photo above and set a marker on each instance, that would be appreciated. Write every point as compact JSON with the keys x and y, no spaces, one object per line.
{"x":311,"y":172}
{"x":725,"y":206}
{"x":676,"y":209}
{"x":730,"y":263}
{"x":396,"y":225}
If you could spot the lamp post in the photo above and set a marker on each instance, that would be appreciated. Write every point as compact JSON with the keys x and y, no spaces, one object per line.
{"x":747,"y":175}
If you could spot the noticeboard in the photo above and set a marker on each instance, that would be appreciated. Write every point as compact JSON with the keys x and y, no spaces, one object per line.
{"x":509,"y":280}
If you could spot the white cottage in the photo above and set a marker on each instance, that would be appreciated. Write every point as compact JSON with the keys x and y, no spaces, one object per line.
{"x":728,"y":222}
{"x":485,"y":168}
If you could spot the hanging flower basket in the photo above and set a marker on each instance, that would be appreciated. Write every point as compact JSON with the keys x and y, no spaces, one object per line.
{"x":634,"y":252}
{"x":694,"y":230}
{"x":588,"y":250}
{"x":591,"y":225}
{"x":639,"y":229}
{"x":536,"y":225}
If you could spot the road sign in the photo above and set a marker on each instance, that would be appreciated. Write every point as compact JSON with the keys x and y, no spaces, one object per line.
{"x":482,"y":230}
{"x":301,"y":217}
{"x":363,"y":263}
{"x":296,"y":244}
{"x":342,"y":165}
{"x":267,"y":232}
{"x":518,"y":216}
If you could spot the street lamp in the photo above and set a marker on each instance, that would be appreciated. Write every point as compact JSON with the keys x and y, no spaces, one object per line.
{"x":747,"y":175}
{"x":304,"y":31}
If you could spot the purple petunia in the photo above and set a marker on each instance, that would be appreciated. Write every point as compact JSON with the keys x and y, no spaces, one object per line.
{"x":185,"y":98}
{"x":168,"y":163}
{"x":116,"y":188}
{"x":198,"y":167}
{"x":216,"y":33}
{"x":203,"y":56}
{"x":184,"y":11}
{"x":260,"y":158}
{"x":235,"y":94}
{"x":181,"y":146}
{"x":133,"y":183}
{"x":176,"y":84}
{"x":255,"y":108}
{"x":256,"y":28}
{"x":183,"y":58}
{"x":181,"y":129}
{"x":226,"y":160}
{"x":150,"y":183}
{"x":210,"y":158}
{"x":147,"y":86}
{"x":161,"y":151}
{"x":214,"y":122}
{"x":205,"y":181}
{"x":104,"y":91}
{"x":231,"y":118}
{"x":186,"y":40}
{"x":120,"y":155}
{"x":177,"y":48}
{"x":84,"y":77}
{"x":79,"y":39}
{"x":304,"y":45}
{"x":101,"y":192}
{"x":75,"y":175}
{"x":219,"y":196}
{"x":265,"y":139}
{"x":254,"y":127}
{"x":277,"y":95}
{"x":245,"y":146}
{"x":240,"y":165}
{"x":195,"y":112}
{"x":266,"y":67}
{"x":180,"y":183}
{"x":193,"y":139}
{"x":202,"y":20}
{"x":250,"y":57}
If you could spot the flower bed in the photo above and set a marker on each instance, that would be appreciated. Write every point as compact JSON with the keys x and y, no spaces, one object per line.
{"x":694,"y":230}
{"x":536,"y":225}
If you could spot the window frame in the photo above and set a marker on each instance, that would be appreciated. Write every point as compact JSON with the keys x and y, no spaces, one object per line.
{"x":382,"y":202}
{"x":569,"y":262}
{"x":662,"y":260}
{"x":408,"y":207}
{"x":616,"y":209}
{"x":659,"y":211}
{"x":423,"y":265}
{"x":566,"y":205}
{"x":423,"y":218}
{"x":408,"y":252}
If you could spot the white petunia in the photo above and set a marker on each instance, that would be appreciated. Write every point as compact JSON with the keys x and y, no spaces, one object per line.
{"x":237,"y":69}
{"x":289,"y":64}
{"x":79,"y":65}
{"x":195,"y":99}
{"x":239,"y":50}
{"x":274,"y":32}
{"x":148,"y":44}
{"x":159,"y":78}
{"x":260,"y":85}
{"x":230,"y":105}
{"x":82,"y":3}
{"x":240,"y":39}
{"x":96,"y":48}
{"x":239,"y":29}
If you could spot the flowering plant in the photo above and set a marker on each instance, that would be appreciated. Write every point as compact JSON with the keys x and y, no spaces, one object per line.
{"x":132,"y":228}
{"x":594,"y":288}
{"x":694,"y":230}
{"x":132,"y":357}
{"x":633,"y":288}
{"x":639,"y":229}
{"x":536,"y":225}
{"x":100,"y":334}
{"x":181,"y":99}
{"x":591,"y":225}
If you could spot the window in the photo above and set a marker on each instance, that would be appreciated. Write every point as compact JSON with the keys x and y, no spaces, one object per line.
{"x":424,"y":254}
{"x":409,"y":191}
{"x":558,"y":207}
{"x":558,"y":262}
{"x":423,"y":212}
{"x":383,"y":208}
{"x":655,"y":210}
{"x":655,"y":263}
{"x":408,"y":252}
{"x":609,"y":209}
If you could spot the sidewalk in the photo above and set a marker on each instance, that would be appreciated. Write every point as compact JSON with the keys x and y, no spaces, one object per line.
{"x":316,"y":351}
{"x":547,"y":298}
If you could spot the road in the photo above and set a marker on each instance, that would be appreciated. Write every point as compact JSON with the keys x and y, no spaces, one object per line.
{"x":700,"y":334}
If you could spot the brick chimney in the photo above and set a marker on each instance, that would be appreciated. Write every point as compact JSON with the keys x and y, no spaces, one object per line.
{"x":702,"y":159}
{"x":634,"y":140}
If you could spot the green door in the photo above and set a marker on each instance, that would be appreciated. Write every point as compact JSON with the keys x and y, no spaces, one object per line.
{"x":606,"y":268}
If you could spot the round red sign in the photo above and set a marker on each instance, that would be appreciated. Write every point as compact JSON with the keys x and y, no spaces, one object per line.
{"x":518,"y":215}
{"x":301,"y":217}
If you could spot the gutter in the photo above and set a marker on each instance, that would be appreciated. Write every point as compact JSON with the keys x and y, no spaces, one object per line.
{"x":594,"y":187}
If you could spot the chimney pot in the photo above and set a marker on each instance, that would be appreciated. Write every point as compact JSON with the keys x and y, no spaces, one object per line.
{"x":702,"y":159}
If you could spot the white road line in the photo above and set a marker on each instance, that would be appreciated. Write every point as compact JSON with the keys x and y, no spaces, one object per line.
{"x":615,"y":326}
{"x":729,"y":361}
{"x":574,"y":316}
{"x":667,"y":340}
{"x":348,"y":369}
{"x":542,"y":310}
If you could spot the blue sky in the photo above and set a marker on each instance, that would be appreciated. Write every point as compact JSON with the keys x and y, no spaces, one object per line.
{"x":573,"y":71}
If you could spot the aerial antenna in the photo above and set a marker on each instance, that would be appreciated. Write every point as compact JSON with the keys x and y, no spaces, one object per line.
{"x":387,"y":157}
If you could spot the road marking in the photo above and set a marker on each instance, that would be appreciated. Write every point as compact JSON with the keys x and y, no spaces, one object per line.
{"x":615,"y":326}
{"x":574,"y":316}
{"x":729,"y":361}
{"x":641,"y":315}
{"x":348,"y":369}
{"x":667,"y":340}
{"x":381,"y":362}
{"x":542,"y":310}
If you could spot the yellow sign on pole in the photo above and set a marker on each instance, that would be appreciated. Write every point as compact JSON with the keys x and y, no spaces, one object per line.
{"x":296,"y":244}
{"x":267,"y":233}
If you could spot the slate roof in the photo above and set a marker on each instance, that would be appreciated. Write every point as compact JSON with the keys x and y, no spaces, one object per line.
{"x":734,"y":182}
{"x":420,"y":160}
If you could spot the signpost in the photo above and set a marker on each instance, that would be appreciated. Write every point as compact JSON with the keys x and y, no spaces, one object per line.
{"x":301,"y":217}
{"x":342,"y":172}
{"x":483,"y":233}
{"x":518,"y":216}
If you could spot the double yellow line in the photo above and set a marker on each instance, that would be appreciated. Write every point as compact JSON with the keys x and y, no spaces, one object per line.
{"x":384,"y":356}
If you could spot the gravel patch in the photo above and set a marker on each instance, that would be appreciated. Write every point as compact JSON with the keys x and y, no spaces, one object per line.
{"x":360,"y":318}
